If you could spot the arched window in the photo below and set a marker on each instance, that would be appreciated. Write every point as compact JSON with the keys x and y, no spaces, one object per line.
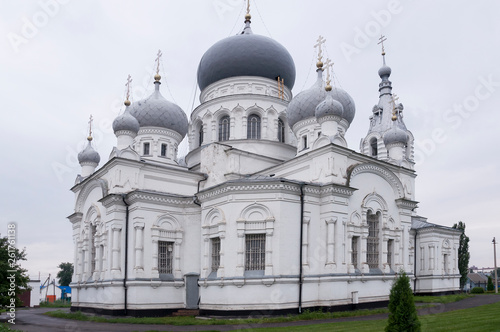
{"x":93,"y":256}
{"x":372,"y":242}
{"x":253,"y":127}
{"x":373,"y":144}
{"x":281,"y":131}
{"x":200,"y":134}
{"x":224,"y":127}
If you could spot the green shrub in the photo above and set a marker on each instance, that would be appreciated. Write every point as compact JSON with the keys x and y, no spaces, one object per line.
{"x":477,"y":290}
{"x":403,"y":313}
{"x":490,"y":286}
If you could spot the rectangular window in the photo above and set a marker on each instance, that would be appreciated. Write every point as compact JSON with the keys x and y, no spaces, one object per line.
{"x":304,"y":142}
{"x":372,"y":242}
{"x":354,"y":255}
{"x":164,"y":150}
{"x":390,"y":244}
{"x":93,"y":265}
{"x":215,"y":254}
{"x":255,"y":252}
{"x":165,"y":257}
{"x":146,"y":149}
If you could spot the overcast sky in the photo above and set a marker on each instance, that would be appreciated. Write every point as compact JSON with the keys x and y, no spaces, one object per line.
{"x":61,"y":61}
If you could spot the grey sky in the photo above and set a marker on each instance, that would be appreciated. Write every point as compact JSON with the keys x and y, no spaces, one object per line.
{"x":64,"y":60}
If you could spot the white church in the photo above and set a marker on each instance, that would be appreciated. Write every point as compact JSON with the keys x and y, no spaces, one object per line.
{"x":270,"y":212}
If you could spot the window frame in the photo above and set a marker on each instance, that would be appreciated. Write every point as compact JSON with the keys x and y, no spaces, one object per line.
{"x":281,"y":131}
{"x":253,"y":126}
{"x":255,"y":252}
{"x":373,"y":240}
{"x":224,"y":128}
{"x":146,"y":149}
{"x":166,"y":258}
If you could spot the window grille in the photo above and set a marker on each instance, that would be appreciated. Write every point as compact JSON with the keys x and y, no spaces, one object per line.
{"x":224,"y":128}
{"x":215,"y":254}
{"x":165,"y":257}
{"x":253,"y":127}
{"x":372,"y":240}
{"x":281,"y":131}
{"x":255,"y":252}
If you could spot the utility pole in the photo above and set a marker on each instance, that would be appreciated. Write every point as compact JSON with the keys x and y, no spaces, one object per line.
{"x":495,"y":258}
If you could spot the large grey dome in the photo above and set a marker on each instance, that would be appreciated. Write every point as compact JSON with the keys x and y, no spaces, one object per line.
{"x":156,"y":111}
{"x":89,"y":155}
{"x":246,"y":54}
{"x":126,"y":122}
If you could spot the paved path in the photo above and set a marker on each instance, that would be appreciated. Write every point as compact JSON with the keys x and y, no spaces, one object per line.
{"x":33,"y":320}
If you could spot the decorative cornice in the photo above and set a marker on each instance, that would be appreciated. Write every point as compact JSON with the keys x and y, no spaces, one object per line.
{"x":75,"y":217}
{"x":407,"y":204}
{"x":141,"y":196}
{"x":248,"y":187}
{"x":110,"y":200}
{"x":304,"y":123}
{"x":160,"y":131}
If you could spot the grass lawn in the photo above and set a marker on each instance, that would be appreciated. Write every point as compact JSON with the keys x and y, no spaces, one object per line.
{"x":56,"y":304}
{"x":483,"y":318}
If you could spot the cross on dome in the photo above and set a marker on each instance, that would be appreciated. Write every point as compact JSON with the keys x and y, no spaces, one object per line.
{"x":157,"y":60}
{"x":90,"y":128}
{"x":328,"y":65}
{"x":129,"y":80}
{"x":320,"y":41}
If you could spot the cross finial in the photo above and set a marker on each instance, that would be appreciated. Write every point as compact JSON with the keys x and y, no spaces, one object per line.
{"x":320,"y":41}
{"x":158,"y":62}
{"x":90,"y":128}
{"x":129,"y":80}
{"x":382,"y":39}
{"x":247,"y":15}
{"x":328,"y":65}
{"x":281,"y":88}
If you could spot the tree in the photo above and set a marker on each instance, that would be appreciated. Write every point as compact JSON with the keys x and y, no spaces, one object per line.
{"x":65,"y":273}
{"x":402,"y":310}
{"x":463,"y":254}
{"x":490,"y":286}
{"x":13,"y":278}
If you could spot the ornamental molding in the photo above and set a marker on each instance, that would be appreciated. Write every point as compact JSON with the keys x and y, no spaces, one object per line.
{"x":111,"y":200}
{"x":135,"y":197}
{"x":304,"y":123}
{"x":248,"y":187}
{"x":329,"y":117}
{"x":407,"y":204}
{"x":160,"y":131}
{"x":383,"y":172}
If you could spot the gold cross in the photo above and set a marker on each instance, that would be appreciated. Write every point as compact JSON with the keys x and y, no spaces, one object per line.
{"x":382,"y":40}
{"x":328,"y":65}
{"x":320,"y":41}
{"x":281,"y":88}
{"x":158,"y":62}
{"x":394,"y":99}
{"x":129,"y":80}
{"x":90,"y":125}
{"x":248,"y":6}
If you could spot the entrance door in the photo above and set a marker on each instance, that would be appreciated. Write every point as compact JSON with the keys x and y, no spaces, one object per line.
{"x":192,"y":290}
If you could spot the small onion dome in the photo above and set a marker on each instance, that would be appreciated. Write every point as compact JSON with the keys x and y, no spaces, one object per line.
{"x":126,"y":122}
{"x":304,"y":105}
{"x":88,"y":155}
{"x":329,"y":106}
{"x":246,"y":54}
{"x":156,"y":111}
{"x":384,"y":71}
{"x":395,"y":135}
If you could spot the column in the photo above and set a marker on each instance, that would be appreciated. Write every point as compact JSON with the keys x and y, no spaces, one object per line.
{"x":139,"y":245}
{"x":330,"y":241}
{"x":177,"y":258}
{"x":115,"y":258}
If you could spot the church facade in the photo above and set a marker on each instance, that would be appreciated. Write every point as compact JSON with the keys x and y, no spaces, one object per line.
{"x":269,"y":212}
